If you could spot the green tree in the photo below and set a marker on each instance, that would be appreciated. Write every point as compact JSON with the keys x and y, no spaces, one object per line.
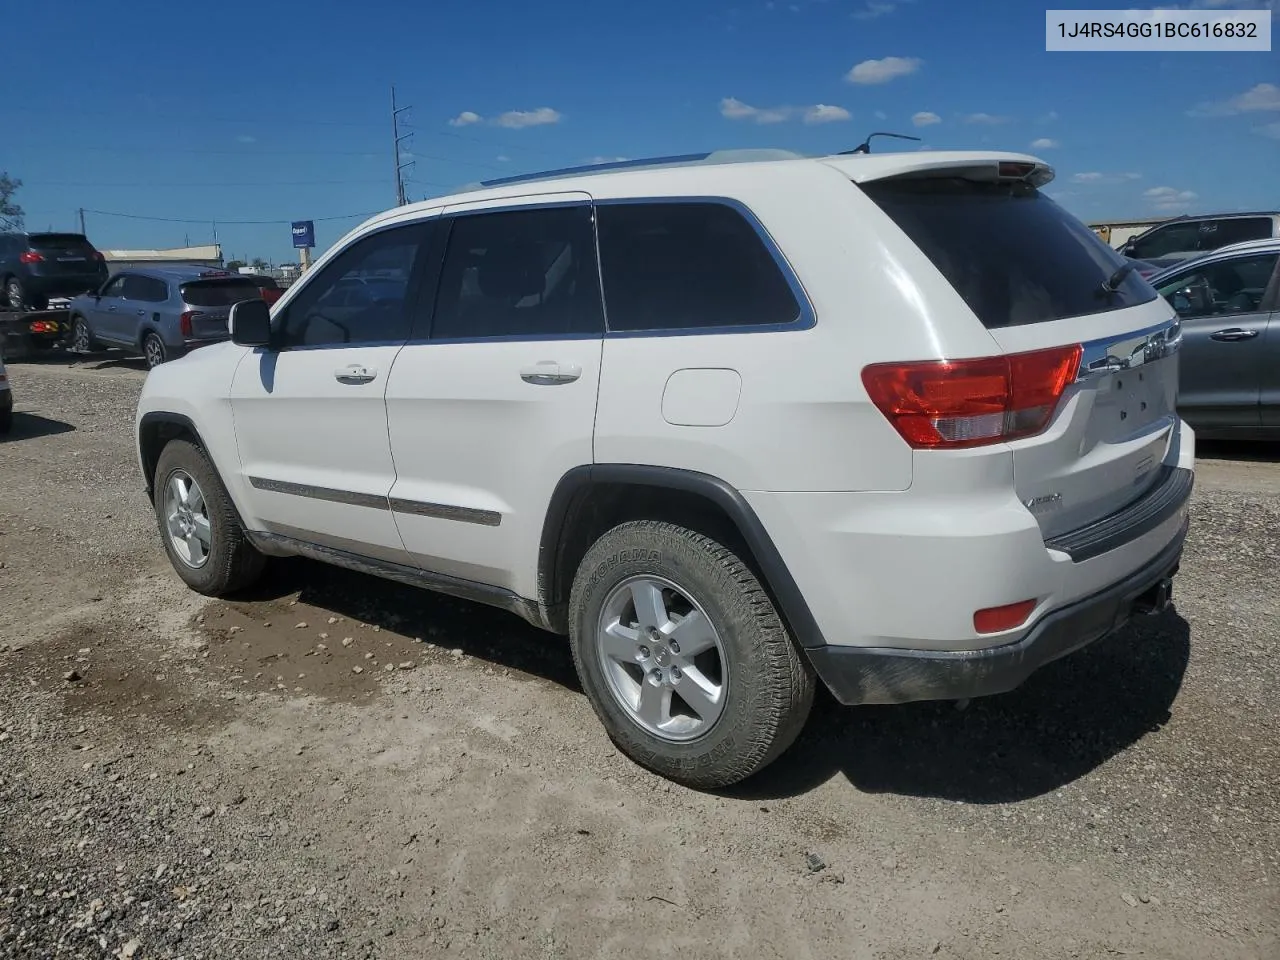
{"x":258,"y":263}
{"x":10,"y":212}
{"x":235,"y":264}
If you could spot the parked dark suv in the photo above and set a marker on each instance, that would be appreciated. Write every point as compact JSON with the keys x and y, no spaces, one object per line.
{"x":37,"y":266}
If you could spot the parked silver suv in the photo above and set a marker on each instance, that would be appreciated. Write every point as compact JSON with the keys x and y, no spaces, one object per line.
{"x":159,"y":313}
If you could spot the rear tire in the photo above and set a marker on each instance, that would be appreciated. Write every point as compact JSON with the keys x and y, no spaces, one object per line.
{"x":154,"y":350}
{"x":6,"y":421}
{"x":762,"y":690}
{"x":16,"y":294}
{"x":229,"y":562}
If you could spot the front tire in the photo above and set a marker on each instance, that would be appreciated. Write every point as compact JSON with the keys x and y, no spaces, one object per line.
{"x":82,"y":340}
{"x":202,"y":535}
{"x":683,"y":656}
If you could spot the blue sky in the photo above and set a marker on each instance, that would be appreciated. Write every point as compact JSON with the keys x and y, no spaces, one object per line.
{"x":276,"y":111}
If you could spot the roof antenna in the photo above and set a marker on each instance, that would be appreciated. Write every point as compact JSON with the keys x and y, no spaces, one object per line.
{"x":865,"y":145}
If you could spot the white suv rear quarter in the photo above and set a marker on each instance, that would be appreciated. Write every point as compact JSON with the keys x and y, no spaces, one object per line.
{"x":487,"y":461}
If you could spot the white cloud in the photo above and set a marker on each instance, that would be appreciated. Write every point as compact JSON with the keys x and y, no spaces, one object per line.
{"x":881,"y":115}
{"x":1045,"y":143}
{"x":984,"y":119}
{"x":502,"y":158}
{"x":607,"y":159}
{"x":1049,"y":117}
{"x":1271,"y":130}
{"x":465,"y":119}
{"x":245,"y":138}
{"x":734,"y":109}
{"x":874,"y":9}
{"x":1093,"y":176}
{"x":1169,"y":198}
{"x":824,"y":113}
{"x":518,"y":119}
{"x":1264,"y":96}
{"x":925,"y":118}
{"x":882,"y":71}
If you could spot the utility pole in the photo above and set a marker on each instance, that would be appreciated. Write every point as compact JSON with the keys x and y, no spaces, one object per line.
{"x":82,"y":230}
{"x":397,"y":137}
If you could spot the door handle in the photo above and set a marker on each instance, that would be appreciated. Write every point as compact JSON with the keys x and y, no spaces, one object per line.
{"x":355,"y":373}
{"x":112,"y":307}
{"x":142,"y":313}
{"x":1232,"y":334}
{"x":549,"y":373}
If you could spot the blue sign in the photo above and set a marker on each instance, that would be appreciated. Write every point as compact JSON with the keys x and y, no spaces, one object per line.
{"x":304,"y":233}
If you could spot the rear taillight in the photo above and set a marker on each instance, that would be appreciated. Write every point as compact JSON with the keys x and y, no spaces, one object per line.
{"x":184,"y":322}
{"x":97,"y":255}
{"x":30,"y":256}
{"x":946,"y":404}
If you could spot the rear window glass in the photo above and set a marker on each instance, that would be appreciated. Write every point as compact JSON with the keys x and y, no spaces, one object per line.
{"x":60,"y":240}
{"x":1012,"y":254}
{"x":219,"y":293}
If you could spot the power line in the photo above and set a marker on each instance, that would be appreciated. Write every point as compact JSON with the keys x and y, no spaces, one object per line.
{"x":138,"y":216}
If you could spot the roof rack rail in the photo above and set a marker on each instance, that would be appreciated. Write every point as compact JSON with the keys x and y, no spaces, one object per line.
{"x":679,"y":160}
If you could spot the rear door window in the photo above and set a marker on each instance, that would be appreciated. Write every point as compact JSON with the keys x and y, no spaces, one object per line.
{"x":1238,"y":230}
{"x":218,"y":293}
{"x":1012,"y":254}
{"x":146,"y":289}
{"x":688,"y":266}
{"x":519,"y":273}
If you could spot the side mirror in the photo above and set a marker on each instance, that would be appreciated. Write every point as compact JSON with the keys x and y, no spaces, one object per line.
{"x":250,"y":323}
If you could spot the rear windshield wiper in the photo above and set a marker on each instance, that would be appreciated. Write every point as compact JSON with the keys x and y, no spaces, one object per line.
{"x":1112,"y":283}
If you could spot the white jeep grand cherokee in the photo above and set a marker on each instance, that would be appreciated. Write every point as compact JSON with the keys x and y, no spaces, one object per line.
{"x":731,"y":422}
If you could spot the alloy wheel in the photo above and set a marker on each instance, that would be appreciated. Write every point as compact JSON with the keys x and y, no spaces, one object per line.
{"x":662,"y":658}
{"x":186,"y":517}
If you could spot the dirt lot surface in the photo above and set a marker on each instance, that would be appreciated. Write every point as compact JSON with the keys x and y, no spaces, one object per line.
{"x":342,"y":767}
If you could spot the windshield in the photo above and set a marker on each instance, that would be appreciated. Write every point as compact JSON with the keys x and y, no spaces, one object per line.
{"x":1013,"y":254}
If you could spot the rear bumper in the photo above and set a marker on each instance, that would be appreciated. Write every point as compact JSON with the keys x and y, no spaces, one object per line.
{"x":865,"y":675}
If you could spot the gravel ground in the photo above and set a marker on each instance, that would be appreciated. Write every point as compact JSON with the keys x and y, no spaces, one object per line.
{"x":342,"y":767}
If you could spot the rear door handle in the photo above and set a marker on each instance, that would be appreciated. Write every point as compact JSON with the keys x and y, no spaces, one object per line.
{"x":112,"y":307}
{"x":142,"y":313}
{"x":548,"y":373}
{"x":355,"y":373}
{"x":1232,"y":334}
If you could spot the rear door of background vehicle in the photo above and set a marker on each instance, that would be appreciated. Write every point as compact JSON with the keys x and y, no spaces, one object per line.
{"x":1223,"y":305}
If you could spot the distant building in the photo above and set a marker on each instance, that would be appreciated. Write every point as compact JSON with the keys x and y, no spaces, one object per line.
{"x":1116,"y":232}
{"x":209,"y":255}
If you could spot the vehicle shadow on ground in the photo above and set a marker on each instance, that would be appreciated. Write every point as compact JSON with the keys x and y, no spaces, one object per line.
{"x":486,"y":633}
{"x":1243,"y":450}
{"x":1067,"y":719}
{"x":28,"y":426}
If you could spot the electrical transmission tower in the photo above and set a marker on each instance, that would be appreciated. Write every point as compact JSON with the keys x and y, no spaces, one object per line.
{"x":397,"y":139}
